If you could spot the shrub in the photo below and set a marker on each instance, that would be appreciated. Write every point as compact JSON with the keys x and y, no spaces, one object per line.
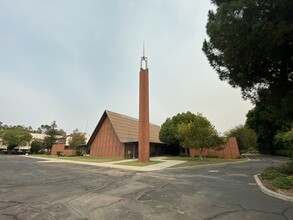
{"x":59,"y":154}
{"x":284,"y":152}
{"x":184,"y":155}
{"x":271,"y":173}
{"x":252,"y":150}
{"x":290,"y":178}
{"x":282,"y":183}
{"x":284,"y":143}
{"x":78,"y":153}
{"x":286,"y":168}
{"x":36,"y":146}
{"x":212,"y":156}
{"x":41,"y":152}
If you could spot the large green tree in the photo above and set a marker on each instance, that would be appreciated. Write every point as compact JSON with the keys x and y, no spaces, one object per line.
{"x":260,"y":119}
{"x":199,"y":134}
{"x":15,"y":137}
{"x":169,"y":129}
{"x":250,"y":45}
{"x":246,"y":137}
{"x":189,"y":131}
{"x":77,"y":139}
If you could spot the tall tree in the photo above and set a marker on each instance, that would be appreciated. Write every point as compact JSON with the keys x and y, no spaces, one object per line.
{"x":15,"y":137}
{"x":52,"y":135}
{"x":169,"y":129}
{"x":199,"y":134}
{"x":76,"y":139}
{"x":260,"y":119}
{"x":246,"y":137}
{"x":250,"y":45}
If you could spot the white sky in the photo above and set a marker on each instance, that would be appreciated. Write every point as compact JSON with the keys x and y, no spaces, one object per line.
{"x":69,"y":60}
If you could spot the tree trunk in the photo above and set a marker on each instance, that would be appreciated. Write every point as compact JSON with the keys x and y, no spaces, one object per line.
{"x":200,"y":154}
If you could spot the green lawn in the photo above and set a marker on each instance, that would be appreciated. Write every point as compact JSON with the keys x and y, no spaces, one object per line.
{"x":81,"y":158}
{"x":195,"y":161}
{"x":139,"y":164}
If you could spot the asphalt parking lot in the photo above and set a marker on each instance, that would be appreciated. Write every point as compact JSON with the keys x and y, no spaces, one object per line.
{"x":33,"y":189}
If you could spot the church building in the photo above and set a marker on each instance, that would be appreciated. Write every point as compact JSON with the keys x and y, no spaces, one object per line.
{"x":116,"y":135}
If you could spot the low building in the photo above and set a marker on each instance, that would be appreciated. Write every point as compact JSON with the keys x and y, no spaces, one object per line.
{"x":35,"y":136}
{"x":62,"y":146}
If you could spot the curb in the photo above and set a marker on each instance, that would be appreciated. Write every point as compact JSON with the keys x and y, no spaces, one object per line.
{"x":270,"y":192}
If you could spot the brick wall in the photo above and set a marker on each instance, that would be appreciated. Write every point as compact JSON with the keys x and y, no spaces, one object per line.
{"x":69,"y":152}
{"x":56,"y":148}
{"x":230,"y":151}
{"x":106,"y":142}
{"x":61,"y":147}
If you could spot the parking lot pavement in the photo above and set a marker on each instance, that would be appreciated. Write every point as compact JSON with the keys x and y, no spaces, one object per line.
{"x":33,"y":190}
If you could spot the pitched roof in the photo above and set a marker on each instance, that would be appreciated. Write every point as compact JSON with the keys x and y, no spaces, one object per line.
{"x":126,"y":128}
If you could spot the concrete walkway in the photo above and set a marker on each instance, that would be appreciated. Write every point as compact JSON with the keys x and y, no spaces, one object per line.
{"x":159,"y":166}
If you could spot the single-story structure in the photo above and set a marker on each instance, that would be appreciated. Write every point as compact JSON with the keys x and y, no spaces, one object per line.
{"x":35,"y":136}
{"x":62,"y":146}
{"x":231,"y":150}
{"x":116,"y":135}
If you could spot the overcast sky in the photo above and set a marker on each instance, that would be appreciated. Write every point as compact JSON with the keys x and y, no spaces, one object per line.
{"x":69,"y":60}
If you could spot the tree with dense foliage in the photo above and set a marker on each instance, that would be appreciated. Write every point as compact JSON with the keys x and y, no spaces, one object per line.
{"x":199,"y":134}
{"x":169,"y":129}
{"x":52,"y":134}
{"x":15,"y":137}
{"x":76,"y":139}
{"x":246,"y":137}
{"x":284,"y":143}
{"x":36,"y":146}
{"x":266,"y":127}
{"x":250,"y":45}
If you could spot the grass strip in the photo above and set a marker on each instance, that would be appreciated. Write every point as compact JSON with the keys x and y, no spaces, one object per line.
{"x":191,"y":161}
{"x":139,"y":164}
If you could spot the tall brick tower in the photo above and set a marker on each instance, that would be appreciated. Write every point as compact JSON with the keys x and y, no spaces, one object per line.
{"x":143,"y":133}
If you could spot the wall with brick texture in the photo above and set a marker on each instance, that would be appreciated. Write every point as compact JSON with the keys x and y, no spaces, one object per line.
{"x":61,"y":147}
{"x":69,"y":152}
{"x":106,"y":142}
{"x":56,"y":148}
{"x":230,"y":151}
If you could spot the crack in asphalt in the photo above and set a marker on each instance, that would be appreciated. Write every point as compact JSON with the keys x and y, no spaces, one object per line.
{"x":145,"y":193}
{"x":242,"y":209}
{"x":75,"y":211}
{"x":81,"y":192}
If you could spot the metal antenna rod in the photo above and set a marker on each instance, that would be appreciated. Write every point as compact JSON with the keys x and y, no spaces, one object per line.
{"x":143,"y":49}
{"x":144,"y":58}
